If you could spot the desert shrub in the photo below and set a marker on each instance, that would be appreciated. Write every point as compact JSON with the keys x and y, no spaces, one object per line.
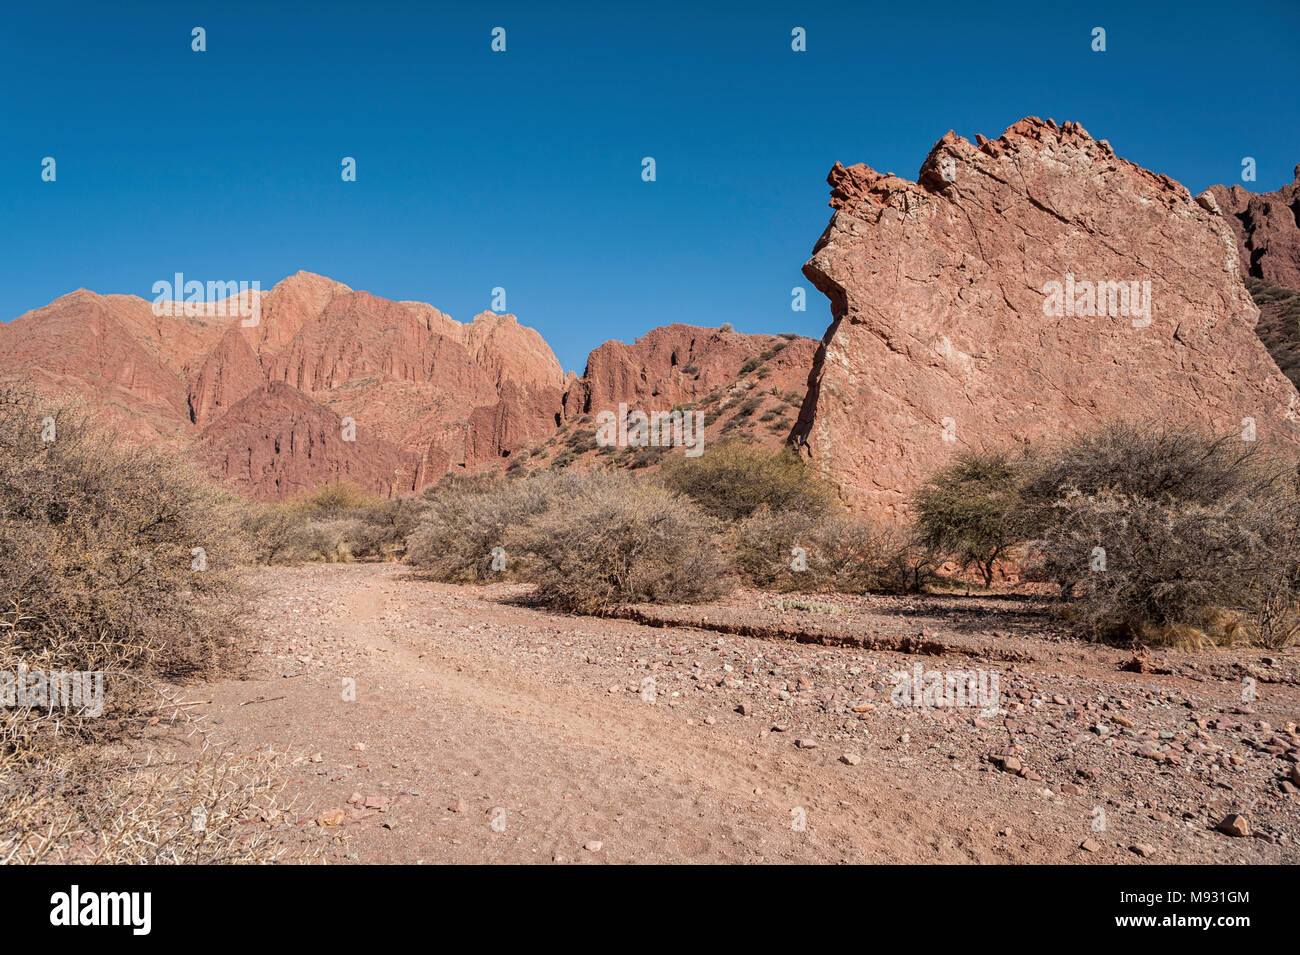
{"x":1164,"y":533}
{"x":1152,"y":461}
{"x":1140,"y":567}
{"x":330,"y":540}
{"x":111,"y":557}
{"x":749,"y":365}
{"x":463,"y":523}
{"x":646,"y":457}
{"x":581,"y":440}
{"x":385,"y":525}
{"x":329,"y":500}
{"x":968,"y":511}
{"x":614,"y":540}
{"x":839,"y":554}
{"x":732,"y":479}
{"x":268,"y":529}
{"x":122,"y":560}
{"x":809,"y":606}
{"x":336,"y":522}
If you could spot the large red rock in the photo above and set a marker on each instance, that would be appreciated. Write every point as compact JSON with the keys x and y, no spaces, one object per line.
{"x":1267,"y":227}
{"x":508,"y":351}
{"x":945,"y":334}
{"x":523,"y":418}
{"x":230,"y":372}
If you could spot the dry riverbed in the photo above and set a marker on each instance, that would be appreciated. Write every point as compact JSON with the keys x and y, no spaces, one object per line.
{"x":423,"y":722}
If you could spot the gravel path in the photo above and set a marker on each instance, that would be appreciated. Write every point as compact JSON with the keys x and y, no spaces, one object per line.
{"x":484,"y":730}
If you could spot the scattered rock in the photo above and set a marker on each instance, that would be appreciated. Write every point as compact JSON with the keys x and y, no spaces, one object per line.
{"x":1234,"y":824}
{"x":1008,"y":764}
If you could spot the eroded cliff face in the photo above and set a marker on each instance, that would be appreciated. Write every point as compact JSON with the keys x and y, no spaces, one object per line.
{"x":258,"y":401}
{"x":1267,"y":227}
{"x":679,"y":364}
{"x":1020,"y":289}
{"x":265,"y":404}
{"x":276,"y":442}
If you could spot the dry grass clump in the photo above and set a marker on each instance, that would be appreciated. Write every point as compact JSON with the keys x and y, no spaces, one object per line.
{"x":593,"y":540}
{"x":335,"y":523}
{"x":76,"y":808}
{"x":790,"y":550}
{"x":1167,"y":535}
{"x":968,"y":511}
{"x":1151,"y":532}
{"x":464,"y":521}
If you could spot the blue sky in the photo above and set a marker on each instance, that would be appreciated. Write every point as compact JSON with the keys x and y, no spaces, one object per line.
{"x":523,"y":169}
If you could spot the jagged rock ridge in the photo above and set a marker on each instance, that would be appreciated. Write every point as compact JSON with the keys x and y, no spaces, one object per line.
{"x":267,"y":405}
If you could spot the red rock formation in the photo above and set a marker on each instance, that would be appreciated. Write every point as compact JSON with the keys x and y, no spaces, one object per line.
{"x":437,"y":393}
{"x":713,"y":370}
{"x":229,"y":373}
{"x":1267,"y":226}
{"x":523,"y":418}
{"x":277,"y":442}
{"x":945,"y":333}
{"x":508,"y":351}
{"x":263,"y":402}
{"x":675,"y":364}
{"x":99,"y":348}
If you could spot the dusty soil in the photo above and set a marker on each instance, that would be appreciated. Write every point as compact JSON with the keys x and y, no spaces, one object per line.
{"x":486,"y":730}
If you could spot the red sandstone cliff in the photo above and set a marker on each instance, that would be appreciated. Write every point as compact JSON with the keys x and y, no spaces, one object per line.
{"x":948,"y":331}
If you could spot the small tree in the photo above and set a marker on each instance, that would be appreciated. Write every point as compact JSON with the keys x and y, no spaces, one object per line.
{"x":968,"y":510}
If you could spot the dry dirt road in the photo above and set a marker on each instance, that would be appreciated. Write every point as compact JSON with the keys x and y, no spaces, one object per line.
{"x":429,"y":723}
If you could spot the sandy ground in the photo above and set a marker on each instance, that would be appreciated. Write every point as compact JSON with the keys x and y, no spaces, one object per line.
{"x":485,"y":730}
